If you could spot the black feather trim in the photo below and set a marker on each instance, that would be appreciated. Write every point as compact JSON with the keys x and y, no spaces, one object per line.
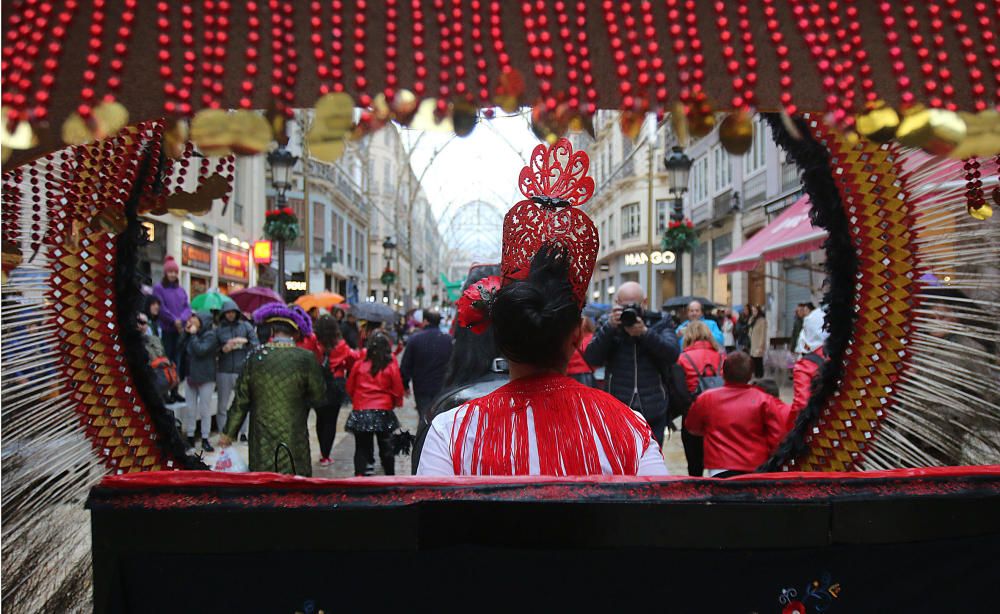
{"x":129,"y":300}
{"x":402,"y":442}
{"x":827,"y":211}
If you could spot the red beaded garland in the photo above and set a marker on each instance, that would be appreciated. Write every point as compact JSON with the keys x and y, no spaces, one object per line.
{"x":457,"y":49}
{"x":743,"y":76}
{"x":903,"y":82}
{"x":215,"y":38}
{"x":618,"y":53}
{"x":539,"y":48}
{"x":781,"y":51}
{"x":974,"y":196}
{"x":478,"y":52}
{"x":419,"y":56}
{"x":360,"y":35}
{"x":117,"y":64}
{"x":682,"y":61}
{"x":969,"y":55}
{"x":391,"y":53}
{"x":251,"y":55}
{"x":292,"y":56}
{"x":445,"y":59}
{"x":652,"y":47}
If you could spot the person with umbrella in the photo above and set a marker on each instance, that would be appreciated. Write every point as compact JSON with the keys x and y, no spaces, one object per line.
{"x":236,"y":339}
{"x":695,"y":313}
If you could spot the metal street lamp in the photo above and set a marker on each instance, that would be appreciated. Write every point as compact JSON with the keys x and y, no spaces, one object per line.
{"x":388,"y":247}
{"x":281,"y":162}
{"x":678,"y":166}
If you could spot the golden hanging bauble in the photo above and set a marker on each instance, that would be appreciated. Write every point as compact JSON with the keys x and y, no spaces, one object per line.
{"x":736,"y":133}
{"x":937,"y":131}
{"x":380,"y":108}
{"x":631,"y":123}
{"x":404,"y":105}
{"x":75,"y":130}
{"x":679,"y":123}
{"x":334,"y":117}
{"x":250,"y":132}
{"x":982,"y":136}
{"x":982,"y":212}
{"x":175,"y":137}
{"x":509,"y":91}
{"x":546,"y":125}
{"x":210,"y":132}
{"x":878,"y":124}
{"x":21,"y":137}
{"x":463,"y":116}
{"x":700,"y":117}
{"x":427,"y":118}
{"x":327,"y":151}
{"x":109,"y":117}
{"x":581,"y":122}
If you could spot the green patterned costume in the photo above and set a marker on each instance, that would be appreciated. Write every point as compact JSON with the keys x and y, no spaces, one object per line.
{"x":277,"y":386}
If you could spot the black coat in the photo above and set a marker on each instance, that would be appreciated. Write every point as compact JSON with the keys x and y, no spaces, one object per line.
{"x":424,"y":361}
{"x":636,"y":364}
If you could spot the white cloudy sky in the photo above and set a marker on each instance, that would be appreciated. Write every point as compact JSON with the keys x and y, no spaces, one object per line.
{"x":484,"y":165}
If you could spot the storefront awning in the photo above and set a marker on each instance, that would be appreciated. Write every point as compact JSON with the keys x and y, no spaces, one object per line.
{"x":790,"y":234}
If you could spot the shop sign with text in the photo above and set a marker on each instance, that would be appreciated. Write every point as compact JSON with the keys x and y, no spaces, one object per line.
{"x":637,"y":258}
{"x":234,"y":265}
{"x":196,"y":257}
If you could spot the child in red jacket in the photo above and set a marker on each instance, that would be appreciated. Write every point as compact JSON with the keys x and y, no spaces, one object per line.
{"x":741,"y":424}
{"x":375,"y":386}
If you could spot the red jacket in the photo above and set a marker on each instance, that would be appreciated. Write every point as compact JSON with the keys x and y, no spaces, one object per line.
{"x":742,"y":426}
{"x":701,"y":353}
{"x":803,"y":372}
{"x":381,"y":391}
{"x":310,"y":343}
{"x":577,"y":364}
{"x":342,"y":358}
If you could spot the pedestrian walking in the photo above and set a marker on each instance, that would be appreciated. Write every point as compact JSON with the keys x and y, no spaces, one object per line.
{"x":236,"y":339}
{"x":742,"y":425}
{"x":336,"y":360}
{"x":200,"y":346}
{"x":376,"y":389}
{"x":277,"y":387}
{"x":728,"y":331}
{"x":424,"y":362}
{"x":757,"y":325}
{"x":741,"y":330}
{"x":701,"y":359}
{"x":174,"y":308}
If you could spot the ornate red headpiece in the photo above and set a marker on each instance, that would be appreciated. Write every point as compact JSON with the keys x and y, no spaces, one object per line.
{"x":555,"y":183}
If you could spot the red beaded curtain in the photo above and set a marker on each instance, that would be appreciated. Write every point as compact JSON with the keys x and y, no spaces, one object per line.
{"x":181,"y":56}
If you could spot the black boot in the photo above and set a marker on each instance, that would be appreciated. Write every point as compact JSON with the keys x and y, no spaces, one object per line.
{"x":206,"y":446}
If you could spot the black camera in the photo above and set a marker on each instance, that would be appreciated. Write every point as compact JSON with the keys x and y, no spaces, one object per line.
{"x":631,"y":314}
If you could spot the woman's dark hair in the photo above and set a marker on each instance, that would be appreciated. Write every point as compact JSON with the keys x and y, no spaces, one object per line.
{"x":327,"y":331}
{"x":286,"y":329}
{"x":152,"y":298}
{"x":379,"y":351}
{"x":472,"y":355}
{"x":532,"y":318}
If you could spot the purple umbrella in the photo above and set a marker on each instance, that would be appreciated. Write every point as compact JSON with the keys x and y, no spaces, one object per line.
{"x":251,"y":299}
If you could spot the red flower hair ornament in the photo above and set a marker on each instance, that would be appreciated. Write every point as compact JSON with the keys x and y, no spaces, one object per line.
{"x":555,"y":184}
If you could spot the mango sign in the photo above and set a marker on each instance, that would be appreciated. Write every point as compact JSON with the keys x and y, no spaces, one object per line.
{"x":637,"y":258}
{"x":234,"y":265}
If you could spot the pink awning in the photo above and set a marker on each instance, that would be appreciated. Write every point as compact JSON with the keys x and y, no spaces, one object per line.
{"x":790,"y":234}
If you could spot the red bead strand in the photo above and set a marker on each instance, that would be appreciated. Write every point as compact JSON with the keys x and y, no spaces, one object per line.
{"x":618,"y":54}
{"x":479,"y":53}
{"x":360,"y":48}
{"x":292,"y":56}
{"x":458,"y":49}
{"x":419,"y":56}
{"x":969,"y":55}
{"x":777,"y":39}
{"x":391,"y":49}
{"x":652,"y":47}
{"x":445,"y":58}
{"x":88,"y":93}
{"x":120,"y":49}
{"x":903,"y":82}
{"x":682,"y":61}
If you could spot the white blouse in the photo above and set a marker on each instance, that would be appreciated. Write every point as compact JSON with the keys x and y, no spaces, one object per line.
{"x":436,"y":454}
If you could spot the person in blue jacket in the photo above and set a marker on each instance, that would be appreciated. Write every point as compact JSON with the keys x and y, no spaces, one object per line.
{"x":695,"y":312}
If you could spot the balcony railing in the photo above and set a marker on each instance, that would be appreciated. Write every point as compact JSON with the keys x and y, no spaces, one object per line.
{"x":755,"y":190}
{"x":789,"y":176}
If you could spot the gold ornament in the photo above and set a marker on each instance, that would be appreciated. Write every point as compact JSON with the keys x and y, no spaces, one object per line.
{"x":631,"y":123}
{"x":249,"y":131}
{"x":75,"y":130}
{"x":879,"y":123}
{"x":175,"y":137}
{"x":510,"y":89}
{"x":982,"y":138}
{"x":463,"y":116}
{"x":380,"y":107}
{"x":211,"y":132}
{"x":404,"y":105}
{"x":736,"y":133}
{"x":328,"y":151}
{"x":700,"y":117}
{"x":937,"y":131}
{"x":109,"y":117}
{"x":679,"y":122}
{"x":334,"y":117}
{"x":22,"y":137}
{"x":426,"y":118}
{"x":981,"y":213}
{"x":547,"y":126}
{"x":581,"y":122}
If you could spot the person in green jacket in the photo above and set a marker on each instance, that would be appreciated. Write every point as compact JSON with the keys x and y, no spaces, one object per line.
{"x":278,"y":385}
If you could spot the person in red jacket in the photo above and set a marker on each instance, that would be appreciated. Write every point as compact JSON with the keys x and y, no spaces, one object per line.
{"x":701,"y":356}
{"x":805,"y":370}
{"x":741,"y":424}
{"x":336,"y":358}
{"x":376,"y":388}
{"x":578,"y":368}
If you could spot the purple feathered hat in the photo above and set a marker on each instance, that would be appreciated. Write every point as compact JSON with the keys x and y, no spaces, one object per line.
{"x":276,"y":312}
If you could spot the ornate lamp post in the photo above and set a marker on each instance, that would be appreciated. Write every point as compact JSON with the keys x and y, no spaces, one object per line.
{"x":419,"y":292}
{"x":388,"y":275}
{"x":281,"y":162}
{"x":678,"y":167}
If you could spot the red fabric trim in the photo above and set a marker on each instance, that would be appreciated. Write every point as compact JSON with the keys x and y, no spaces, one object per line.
{"x":185,"y":479}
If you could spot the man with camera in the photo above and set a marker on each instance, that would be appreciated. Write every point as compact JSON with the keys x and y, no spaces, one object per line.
{"x":635,"y":347}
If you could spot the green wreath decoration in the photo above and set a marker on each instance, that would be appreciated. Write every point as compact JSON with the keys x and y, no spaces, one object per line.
{"x":680,"y":237}
{"x":281,"y":225}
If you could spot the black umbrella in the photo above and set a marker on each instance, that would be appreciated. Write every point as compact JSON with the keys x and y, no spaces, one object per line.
{"x":683,"y":301}
{"x":373,"y":312}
